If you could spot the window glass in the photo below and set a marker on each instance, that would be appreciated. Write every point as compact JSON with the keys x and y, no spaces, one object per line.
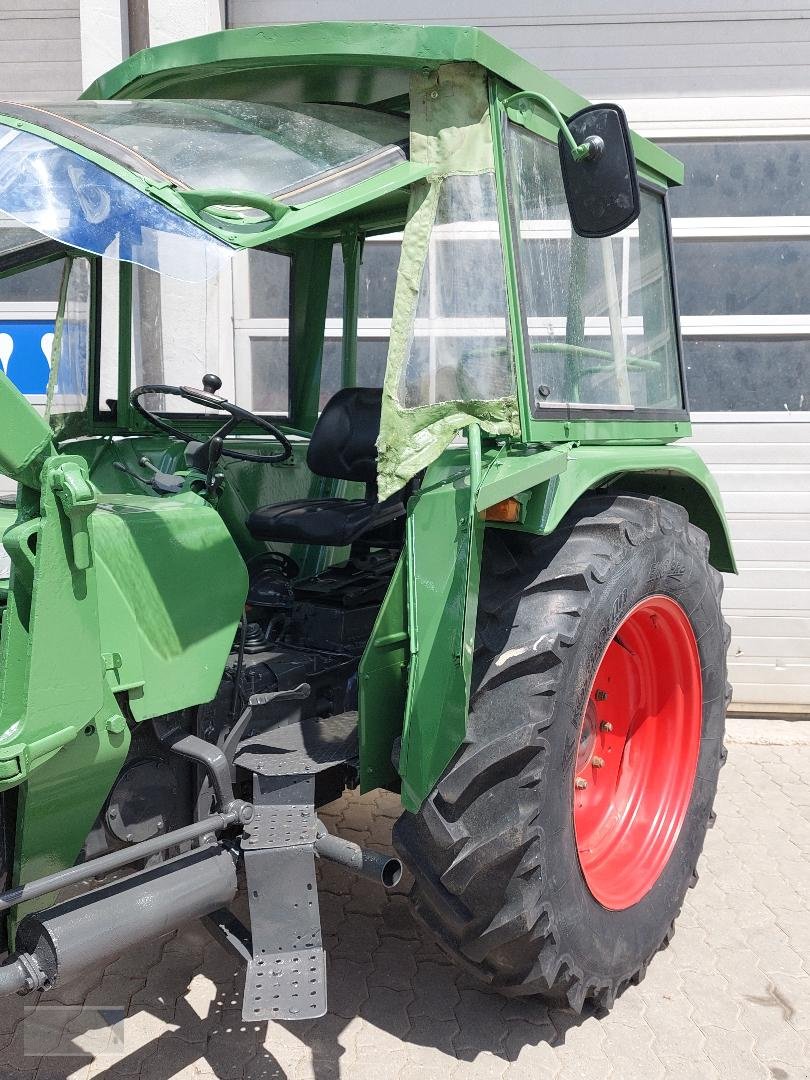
{"x":269,"y":285}
{"x":748,"y":374}
{"x":28,"y":303}
{"x":269,"y":375}
{"x":14,"y":236}
{"x":378,"y":278}
{"x":68,"y":198}
{"x":376,"y":285}
{"x":38,"y":285}
{"x":182,"y":331}
{"x":742,"y":277}
{"x":68,"y":392}
{"x":460,"y":348}
{"x":600,"y":313}
{"x":743,"y":177}
{"x":241,"y":145}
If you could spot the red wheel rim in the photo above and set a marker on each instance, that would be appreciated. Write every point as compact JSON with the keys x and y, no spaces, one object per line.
{"x":637,"y":752}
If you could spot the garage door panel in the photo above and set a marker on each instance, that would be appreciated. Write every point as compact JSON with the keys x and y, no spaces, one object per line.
{"x":758,"y":433}
{"x":771,"y":455}
{"x":776,"y":648}
{"x":767,"y":578}
{"x":788,"y":478}
{"x":788,"y":530}
{"x":787,"y":674}
{"x":755,"y":624}
{"x":768,"y":692}
{"x":769,"y":551}
{"x":766,"y":502}
{"x":771,"y":600}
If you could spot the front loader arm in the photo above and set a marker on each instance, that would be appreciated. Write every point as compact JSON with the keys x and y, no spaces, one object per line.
{"x":120,"y":608}
{"x":26,"y":439}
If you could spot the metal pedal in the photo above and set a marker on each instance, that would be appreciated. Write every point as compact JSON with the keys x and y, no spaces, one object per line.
{"x":286,"y":978}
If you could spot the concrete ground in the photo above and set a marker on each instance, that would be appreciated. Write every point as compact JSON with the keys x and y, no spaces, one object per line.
{"x":729,"y":998}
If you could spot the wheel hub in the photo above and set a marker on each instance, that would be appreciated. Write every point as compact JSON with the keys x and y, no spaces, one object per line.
{"x":637,"y":752}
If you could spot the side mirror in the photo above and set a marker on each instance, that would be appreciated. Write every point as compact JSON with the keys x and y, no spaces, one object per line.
{"x":599,"y":172}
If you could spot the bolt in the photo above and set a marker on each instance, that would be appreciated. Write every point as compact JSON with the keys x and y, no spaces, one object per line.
{"x":606,"y":726}
{"x":601,"y":695}
{"x":116,"y":725}
{"x":597,"y":762}
{"x":580,"y":784}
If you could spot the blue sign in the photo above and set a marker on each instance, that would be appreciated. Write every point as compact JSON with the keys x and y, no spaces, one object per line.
{"x":25,"y":353}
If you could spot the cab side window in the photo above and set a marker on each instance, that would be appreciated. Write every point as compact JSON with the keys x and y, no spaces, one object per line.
{"x":599,"y":318}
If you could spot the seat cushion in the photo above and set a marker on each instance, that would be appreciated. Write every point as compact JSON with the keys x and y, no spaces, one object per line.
{"x":334,"y":522}
{"x":344,"y":442}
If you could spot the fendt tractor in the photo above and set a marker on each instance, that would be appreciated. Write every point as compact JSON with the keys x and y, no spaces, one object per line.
{"x":290,"y":524}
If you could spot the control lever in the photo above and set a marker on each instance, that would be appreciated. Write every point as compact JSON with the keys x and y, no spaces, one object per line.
{"x":161,"y":482}
{"x":231,"y":741}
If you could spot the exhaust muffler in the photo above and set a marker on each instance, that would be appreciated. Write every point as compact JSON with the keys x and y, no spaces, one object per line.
{"x":93,"y":929}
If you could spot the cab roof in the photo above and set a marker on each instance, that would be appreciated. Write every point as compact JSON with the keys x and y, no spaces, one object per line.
{"x":350,"y":62}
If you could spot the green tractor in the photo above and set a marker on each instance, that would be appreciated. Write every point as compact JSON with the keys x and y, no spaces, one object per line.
{"x":476,"y":566}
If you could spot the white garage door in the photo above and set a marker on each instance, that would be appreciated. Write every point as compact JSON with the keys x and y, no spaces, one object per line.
{"x":762,"y":465}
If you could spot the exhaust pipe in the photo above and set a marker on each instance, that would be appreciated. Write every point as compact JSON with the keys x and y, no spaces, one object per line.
{"x":94,"y":928}
{"x":386,"y":870}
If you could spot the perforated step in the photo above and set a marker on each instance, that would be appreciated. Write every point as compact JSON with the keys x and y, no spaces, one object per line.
{"x":286,"y":979}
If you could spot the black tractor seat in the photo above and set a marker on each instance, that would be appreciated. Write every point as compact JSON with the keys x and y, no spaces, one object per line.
{"x":343,"y":446}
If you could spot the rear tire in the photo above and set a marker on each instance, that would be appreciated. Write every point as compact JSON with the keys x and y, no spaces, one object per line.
{"x":494,"y":848}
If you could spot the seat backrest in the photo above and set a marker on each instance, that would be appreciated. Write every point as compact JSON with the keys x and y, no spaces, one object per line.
{"x":344,"y":442}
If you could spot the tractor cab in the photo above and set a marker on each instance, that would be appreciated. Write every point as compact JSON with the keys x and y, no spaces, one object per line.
{"x":334,"y":304}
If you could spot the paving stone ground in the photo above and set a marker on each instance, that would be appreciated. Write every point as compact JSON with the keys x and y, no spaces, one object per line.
{"x":729,"y":998}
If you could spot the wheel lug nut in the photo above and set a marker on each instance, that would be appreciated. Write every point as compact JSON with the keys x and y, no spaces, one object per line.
{"x":606,"y":726}
{"x":580,"y":784}
{"x":597,"y":762}
{"x":601,"y":695}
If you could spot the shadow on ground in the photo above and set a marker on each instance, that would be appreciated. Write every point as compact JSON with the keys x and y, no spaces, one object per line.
{"x":395,"y":999}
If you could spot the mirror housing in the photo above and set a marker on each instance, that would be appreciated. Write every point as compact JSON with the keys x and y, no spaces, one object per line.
{"x":601,"y":183}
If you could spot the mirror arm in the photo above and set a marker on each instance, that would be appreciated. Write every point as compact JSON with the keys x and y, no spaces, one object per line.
{"x":579,"y":151}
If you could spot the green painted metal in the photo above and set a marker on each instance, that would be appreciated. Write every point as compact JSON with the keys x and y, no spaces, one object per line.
{"x":69,"y":788}
{"x":191,"y":204}
{"x":25,"y":442}
{"x":231,"y":63}
{"x":117,"y":595}
{"x":672,"y":471}
{"x":578,"y":150}
{"x":383,"y":686}
{"x":108,"y":593}
{"x":443,"y":552}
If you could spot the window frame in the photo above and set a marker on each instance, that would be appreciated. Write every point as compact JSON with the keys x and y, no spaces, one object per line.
{"x":573,"y":411}
{"x":739,"y":120}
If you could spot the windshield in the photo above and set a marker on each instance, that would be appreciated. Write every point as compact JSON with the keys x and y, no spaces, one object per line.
{"x":70,"y":199}
{"x":276,"y":150}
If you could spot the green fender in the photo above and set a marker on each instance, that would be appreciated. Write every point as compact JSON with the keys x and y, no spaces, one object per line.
{"x":673,"y":471}
{"x":415,"y":674}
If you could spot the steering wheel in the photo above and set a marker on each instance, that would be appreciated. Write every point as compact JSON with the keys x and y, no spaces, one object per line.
{"x":209,"y":399}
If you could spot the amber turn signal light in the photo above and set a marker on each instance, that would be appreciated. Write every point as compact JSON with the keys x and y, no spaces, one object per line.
{"x":507,"y":510}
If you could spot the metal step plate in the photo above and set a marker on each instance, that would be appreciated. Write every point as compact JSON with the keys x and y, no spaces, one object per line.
{"x":301,"y":749}
{"x":286,"y":979}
